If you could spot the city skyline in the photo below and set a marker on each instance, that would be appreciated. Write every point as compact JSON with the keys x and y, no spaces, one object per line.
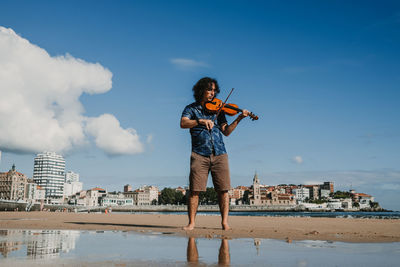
{"x":72,"y":188}
{"x":322,"y":77}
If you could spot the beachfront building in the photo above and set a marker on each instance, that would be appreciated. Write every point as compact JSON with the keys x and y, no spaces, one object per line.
{"x":88,"y":198}
{"x":182,"y":190}
{"x":78,"y":199}
{"x":318,"y":191}
{"x":363,"y":200}
{"x":72,"y":184}
{"x":270,"y":195}
{"x":314,"y":206}
{"x":152,"y":191}
{"x":347,"y":203}
{"x":236,"y":195}
{"x":233,"y":196}
{"x":127,"y":188}
{"x":92,"y":198}
{"x":335,"y":204}
{"x":33,"y":192}
{"x":146,"y":195}
{"x":30,"y":190}
{"x":141,"y":197}
{"x":94,"y":195}
{"x":328,"y":186}
{"x":40,"y":194}
{"x":13,"y":185}
{"x":115,"y":199}
{"x":49,"y":174}
{"x":313,"y":191}
{"x":237,"y":192}
{"x":301,"y":193}
{"x":324,"y":193}
{"x":276,"y":198}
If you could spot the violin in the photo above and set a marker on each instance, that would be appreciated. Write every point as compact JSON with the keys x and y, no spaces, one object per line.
{"x":216,"y":105}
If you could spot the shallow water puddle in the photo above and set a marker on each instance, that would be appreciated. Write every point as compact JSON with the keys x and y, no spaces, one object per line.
{"x":90,"y":248}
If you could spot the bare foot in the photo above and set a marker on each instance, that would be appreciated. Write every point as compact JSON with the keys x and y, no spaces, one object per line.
{"x":189,"y":227}
{"x":226,"y":227}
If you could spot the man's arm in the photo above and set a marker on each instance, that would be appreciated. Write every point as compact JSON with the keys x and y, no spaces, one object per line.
{"x":188,"y":123}
{"x":228,"y":129}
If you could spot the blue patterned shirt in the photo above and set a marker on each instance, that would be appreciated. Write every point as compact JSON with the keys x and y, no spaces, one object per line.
{"x":204,"y":142}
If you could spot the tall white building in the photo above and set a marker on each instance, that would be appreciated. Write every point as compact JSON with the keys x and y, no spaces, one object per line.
{"x":49,"y":174}
{"x":71,"y":176}
{"x":72,"y":184}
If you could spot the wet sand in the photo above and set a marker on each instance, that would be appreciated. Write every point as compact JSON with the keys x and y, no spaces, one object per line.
{"x":286,"y":228}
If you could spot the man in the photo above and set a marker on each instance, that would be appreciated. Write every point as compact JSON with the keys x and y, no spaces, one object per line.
{"x":208,"y":149}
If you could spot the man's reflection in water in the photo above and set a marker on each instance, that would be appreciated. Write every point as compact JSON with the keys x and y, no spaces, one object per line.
{"x":193,"y":254}
{"x":223,"y":256}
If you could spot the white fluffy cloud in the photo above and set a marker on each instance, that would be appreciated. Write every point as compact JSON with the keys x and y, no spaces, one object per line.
{"x":297,"y":159}
{"x":39,"y":100}
{"x":111,"y":137}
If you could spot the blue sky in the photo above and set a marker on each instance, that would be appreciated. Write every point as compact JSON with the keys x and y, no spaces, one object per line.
{"x":323,"y":78}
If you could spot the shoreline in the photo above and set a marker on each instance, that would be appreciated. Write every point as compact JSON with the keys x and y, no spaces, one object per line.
{"x":284,"y":228}
{"x":21,"y":206}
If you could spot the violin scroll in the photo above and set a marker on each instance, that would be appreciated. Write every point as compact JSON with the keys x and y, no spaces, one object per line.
{"x":253,"y":117}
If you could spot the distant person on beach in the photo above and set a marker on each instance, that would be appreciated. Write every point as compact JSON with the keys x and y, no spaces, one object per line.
{"x":208,"y":149}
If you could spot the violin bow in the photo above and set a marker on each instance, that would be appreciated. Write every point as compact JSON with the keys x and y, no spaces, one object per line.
{"x":223,"y":104}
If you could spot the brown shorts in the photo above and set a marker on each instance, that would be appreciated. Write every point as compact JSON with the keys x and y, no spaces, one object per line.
{"x":200,"y":166}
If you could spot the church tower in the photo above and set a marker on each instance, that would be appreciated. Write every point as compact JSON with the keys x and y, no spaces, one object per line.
{"x":256,"y":191}
{"x":256,"y":185}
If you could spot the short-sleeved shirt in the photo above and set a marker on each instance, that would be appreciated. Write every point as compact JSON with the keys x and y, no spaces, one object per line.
{"x":205,"y":142}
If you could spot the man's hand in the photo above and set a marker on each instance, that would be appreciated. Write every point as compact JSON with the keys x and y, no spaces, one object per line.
{"x":208,"y":123}
{"x":244,"y":113}
{"x":228,"y":129}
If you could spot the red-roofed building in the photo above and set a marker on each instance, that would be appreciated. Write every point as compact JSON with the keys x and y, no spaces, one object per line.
{"x":182,"y":190}
{"x":358,"y":197}
{"x":101,"y":190}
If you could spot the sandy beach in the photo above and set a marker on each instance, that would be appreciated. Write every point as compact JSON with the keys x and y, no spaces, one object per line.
{"x":289,"y":228}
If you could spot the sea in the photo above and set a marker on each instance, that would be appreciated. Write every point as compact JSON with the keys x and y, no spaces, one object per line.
{"x":129,"y":248}
{"x":52,"y":247}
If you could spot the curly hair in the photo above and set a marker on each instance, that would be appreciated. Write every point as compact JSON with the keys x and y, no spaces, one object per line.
{"x":202,"y":85}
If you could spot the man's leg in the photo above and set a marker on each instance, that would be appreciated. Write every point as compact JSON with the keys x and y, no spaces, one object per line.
{"x":223,"y":199}
{"x":199,"y":167}
{"x":193,"y":203}
{"x":222,"y":183}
